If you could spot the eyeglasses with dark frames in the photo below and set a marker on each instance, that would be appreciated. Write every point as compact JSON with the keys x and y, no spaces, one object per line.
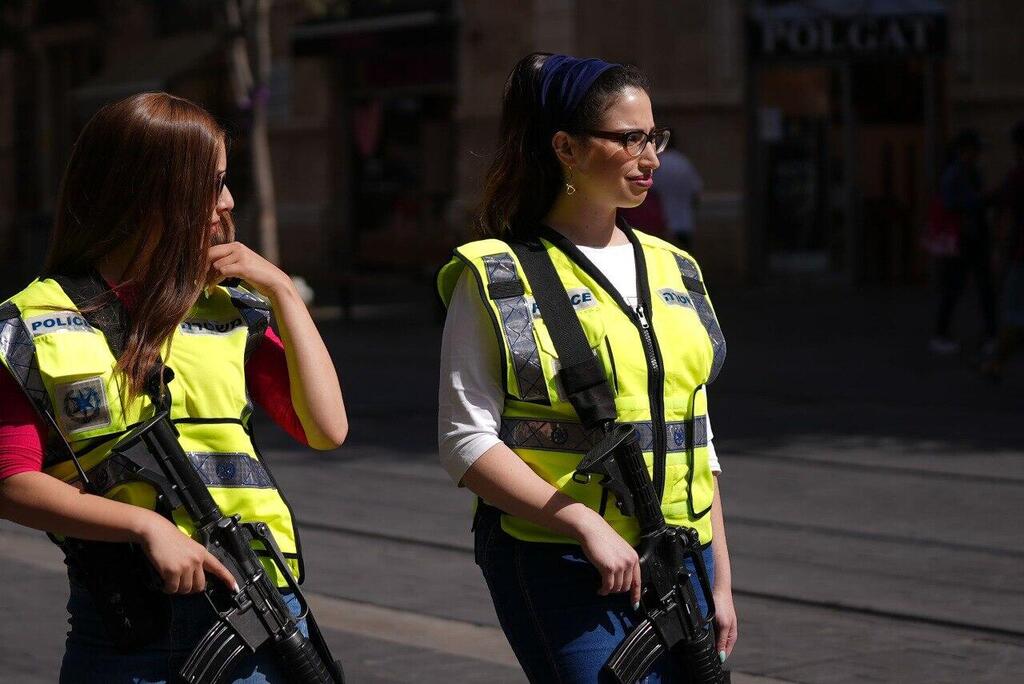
{"x":222,"y":179}
{"x":635,"y":141}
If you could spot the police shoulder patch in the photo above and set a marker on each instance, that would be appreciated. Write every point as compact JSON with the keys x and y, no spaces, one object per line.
{"x":194,"y":326}
{"x":57,"y":321}
{"x":675,"y":298}
{"x":82,"y":405}
{"x":581,"y":298}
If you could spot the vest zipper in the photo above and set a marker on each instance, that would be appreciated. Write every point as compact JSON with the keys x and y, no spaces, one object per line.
{"x":643,"y":317}
{"x":655,"y":373}
{"x":655,"y":382}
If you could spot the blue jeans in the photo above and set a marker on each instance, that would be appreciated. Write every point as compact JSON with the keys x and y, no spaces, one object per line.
{"x":545,"y":595}
{"x":90,"y":657}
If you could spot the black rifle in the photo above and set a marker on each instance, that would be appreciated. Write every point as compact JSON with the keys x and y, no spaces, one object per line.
{"x":254,"y":615}
{"x":672,"y":621}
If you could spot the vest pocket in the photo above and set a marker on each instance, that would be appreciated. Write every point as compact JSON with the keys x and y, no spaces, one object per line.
{"x":689,"y":486}
{"x":700,"y":480}
{"x":81,"y":385}
{"x":689,"y":482}
{"x":700,"y":483}
{"x":594,"y":329}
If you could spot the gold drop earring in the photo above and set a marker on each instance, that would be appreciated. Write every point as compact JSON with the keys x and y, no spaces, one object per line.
{"x":570,"y":189}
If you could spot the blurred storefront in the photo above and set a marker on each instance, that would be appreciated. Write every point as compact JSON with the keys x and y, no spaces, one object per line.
{"x":817,"y":125}
{"x":390,"y":69}
{"x":846,"y":106}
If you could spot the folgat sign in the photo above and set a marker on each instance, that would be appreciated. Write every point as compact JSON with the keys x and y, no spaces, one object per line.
{"x":847,"y":36}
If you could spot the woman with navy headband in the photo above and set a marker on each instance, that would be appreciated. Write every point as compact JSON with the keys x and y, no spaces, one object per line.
{"x":578,"y":141}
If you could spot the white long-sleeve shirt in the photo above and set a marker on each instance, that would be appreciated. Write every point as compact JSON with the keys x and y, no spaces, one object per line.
{"x":471,"y":396}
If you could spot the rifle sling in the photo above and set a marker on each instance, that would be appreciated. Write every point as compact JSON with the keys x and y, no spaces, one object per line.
{"x":582,"y":376}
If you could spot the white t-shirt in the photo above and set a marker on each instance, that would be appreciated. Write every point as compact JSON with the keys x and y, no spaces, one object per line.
{"x":471,"y":396}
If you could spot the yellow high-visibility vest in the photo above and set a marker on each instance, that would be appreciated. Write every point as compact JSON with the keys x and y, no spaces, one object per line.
{"x":658,"y":361}
{"x":68,"y":371}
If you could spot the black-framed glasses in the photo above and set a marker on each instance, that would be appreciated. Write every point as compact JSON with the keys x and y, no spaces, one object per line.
{"x":635,"y":141}
{"x":222,"y":180}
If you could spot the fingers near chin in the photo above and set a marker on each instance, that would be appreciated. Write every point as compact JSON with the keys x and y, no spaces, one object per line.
{"x":221,"y":264}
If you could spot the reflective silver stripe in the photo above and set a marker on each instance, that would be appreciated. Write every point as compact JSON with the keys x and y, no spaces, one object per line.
{"x":707,"y":315}
{"x":241,"y":297}
{"x":215,"y":470}
{"x":517,"y":324}
{"x":20,"y":354}
{"x":256,"y":313}
{"x":547,"y":435}
{"x":230,"y":470}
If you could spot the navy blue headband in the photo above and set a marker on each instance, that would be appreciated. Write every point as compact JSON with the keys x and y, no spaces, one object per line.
{"x":564,"y":83}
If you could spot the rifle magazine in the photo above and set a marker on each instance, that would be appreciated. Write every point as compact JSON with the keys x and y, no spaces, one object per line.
{"x":634,"y":656}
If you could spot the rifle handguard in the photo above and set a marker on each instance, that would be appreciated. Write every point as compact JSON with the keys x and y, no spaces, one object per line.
{"x":618,"y":459}
{"x":255,"y":615}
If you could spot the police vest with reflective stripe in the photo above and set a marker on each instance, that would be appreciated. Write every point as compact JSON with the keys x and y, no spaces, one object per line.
{"x":66,"y":368}
{"x":658,"y":360}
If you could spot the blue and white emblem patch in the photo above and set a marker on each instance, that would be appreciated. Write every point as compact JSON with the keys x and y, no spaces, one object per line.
{"x":82,"y":405}
{"x":57,"y":321}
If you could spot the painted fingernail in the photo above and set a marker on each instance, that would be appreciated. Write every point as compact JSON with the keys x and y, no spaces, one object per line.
{"x":721,"y":656}
{"x":636,"y":606}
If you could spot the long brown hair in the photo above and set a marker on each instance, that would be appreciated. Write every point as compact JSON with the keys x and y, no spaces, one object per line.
{"x":524,"y":178}
{"x":142,"y":172}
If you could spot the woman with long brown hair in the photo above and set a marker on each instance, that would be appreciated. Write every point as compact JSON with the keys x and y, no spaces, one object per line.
{"x":144,"y":273}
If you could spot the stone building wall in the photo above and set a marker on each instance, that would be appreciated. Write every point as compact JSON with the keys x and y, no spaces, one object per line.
{"x":692,"y":51}
{"x":986,"y":75}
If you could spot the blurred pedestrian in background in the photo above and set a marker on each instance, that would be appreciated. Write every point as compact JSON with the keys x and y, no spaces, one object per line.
{"x":679,"y":188}
{"x":578,"y":142}
{"x":1010,"y":201}
{"x":963,"y":198}
{"x":649,"y":216}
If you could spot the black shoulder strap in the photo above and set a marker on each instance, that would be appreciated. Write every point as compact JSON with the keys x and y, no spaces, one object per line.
{"x":103,"y":310}
{"x":98,"y":305}
{"x":581,"y":374}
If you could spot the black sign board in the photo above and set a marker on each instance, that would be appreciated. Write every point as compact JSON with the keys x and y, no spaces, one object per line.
{"x":847,"y":36}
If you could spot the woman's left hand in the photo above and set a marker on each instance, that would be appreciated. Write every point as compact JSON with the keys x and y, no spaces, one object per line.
{"x":725,"y":621}
{"x":235,"y":260}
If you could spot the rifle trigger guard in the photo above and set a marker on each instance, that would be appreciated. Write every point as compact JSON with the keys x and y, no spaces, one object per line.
{"x":581,"y":478}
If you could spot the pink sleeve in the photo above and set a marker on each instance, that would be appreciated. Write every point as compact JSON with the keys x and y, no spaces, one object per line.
{"x":21,"y":431}
{"x":266,"y":375}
